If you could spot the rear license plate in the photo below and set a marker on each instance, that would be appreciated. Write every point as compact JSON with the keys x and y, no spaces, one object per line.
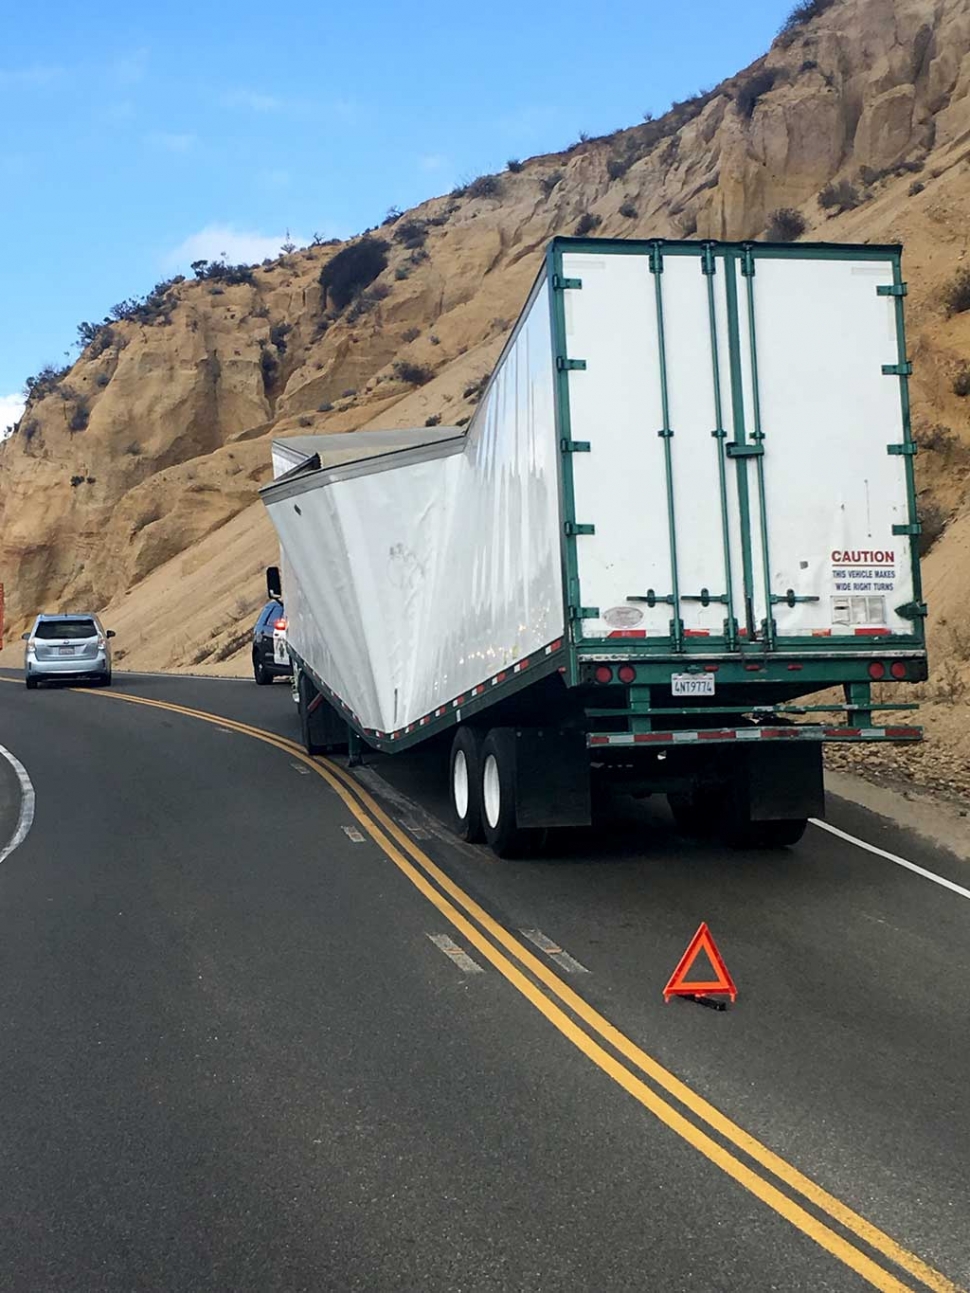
{"x":280,"y":653}
{"x":65,"y":650}
{"x":692,"y":684}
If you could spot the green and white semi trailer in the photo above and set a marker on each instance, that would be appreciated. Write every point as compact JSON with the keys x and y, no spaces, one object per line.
{"x":685,"y":504}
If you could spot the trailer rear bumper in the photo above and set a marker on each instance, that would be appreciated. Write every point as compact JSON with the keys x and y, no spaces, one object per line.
{"x":744,"y":735}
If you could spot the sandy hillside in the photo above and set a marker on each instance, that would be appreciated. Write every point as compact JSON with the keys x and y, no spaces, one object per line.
{"x":131,"y":482}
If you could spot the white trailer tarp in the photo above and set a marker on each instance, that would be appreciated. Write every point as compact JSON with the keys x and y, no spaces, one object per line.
{"x":411,"y":576}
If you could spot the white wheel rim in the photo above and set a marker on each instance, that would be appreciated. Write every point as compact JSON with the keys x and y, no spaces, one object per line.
{"x":459,"y":785}
{"x":491,"y":791}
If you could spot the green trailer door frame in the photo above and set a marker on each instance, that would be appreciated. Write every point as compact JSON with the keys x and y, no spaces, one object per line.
{"x":737,"y":260}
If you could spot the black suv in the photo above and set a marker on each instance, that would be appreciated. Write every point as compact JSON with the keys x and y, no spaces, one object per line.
{"x":265,"y":666}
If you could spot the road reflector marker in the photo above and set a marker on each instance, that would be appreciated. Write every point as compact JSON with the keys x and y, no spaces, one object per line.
{"x":678,"y":984}
{"x":298,"y":767}
{"x":353,"y":834}
{"x":452,"y":950}
{"x":554,"y":951}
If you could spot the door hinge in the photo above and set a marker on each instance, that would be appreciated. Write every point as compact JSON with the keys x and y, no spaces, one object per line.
{"x":745,"y":450}
{"x":908,"y":449}
{"x":747,"y":262}
{"x":708,"y":261}
{"x":892,"y":289}
{"x":584,"y":612}
{"x":564,"y":365}
{"x":572,"y":527}
{"x":561,"y":284}
{"x":904,"y":369}
{"x":574,"y":446}
{"x":912,"y":610}
{"x":908,"y":529}
{"x":656,"y":257}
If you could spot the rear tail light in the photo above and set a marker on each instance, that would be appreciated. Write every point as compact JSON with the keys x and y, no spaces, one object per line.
{"x":877,"y":670}
{"x":627,"y":673}
{"x":280,"y":624}
{"x":897,"y":669}
{"x":603,"y":673}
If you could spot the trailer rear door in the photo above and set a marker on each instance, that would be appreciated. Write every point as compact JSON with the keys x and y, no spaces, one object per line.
{"x":736,"y":444}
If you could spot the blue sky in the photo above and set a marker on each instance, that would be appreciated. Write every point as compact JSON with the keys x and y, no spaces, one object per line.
{"x":134,"y":138}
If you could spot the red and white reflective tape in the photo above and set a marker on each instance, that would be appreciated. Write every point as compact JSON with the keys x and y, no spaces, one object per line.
{"x":454,"y":705}
{"x":725,"y":734}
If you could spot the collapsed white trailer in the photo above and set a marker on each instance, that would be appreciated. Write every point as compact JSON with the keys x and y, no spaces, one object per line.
{"x":685,"y":501}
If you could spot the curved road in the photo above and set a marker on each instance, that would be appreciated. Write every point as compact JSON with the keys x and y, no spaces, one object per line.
{"x":267,"y":1027}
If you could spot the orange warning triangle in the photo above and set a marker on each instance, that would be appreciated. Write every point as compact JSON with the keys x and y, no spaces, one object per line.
{"x":679,"y":986}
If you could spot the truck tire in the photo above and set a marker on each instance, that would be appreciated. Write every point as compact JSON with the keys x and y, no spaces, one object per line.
{"x":696,"y":814}
{"x":465,"y":784}
{"x":764,"y":835}
{"x":322,"y":728}
{"x":502,"y":834}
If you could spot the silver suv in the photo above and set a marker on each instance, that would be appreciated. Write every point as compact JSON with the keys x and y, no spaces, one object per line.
{"x":68,"y":647}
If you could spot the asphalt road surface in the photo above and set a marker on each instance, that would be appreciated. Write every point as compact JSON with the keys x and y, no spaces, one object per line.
{"x":268,"y":1027}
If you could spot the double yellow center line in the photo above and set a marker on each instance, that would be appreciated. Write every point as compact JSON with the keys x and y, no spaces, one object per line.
{"x":611,"y":1050}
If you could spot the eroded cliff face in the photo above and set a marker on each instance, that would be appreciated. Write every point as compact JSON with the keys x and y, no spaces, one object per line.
{"x":179,"y":411}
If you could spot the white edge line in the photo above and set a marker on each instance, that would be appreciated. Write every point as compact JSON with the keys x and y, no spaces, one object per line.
{"x":892,"y":857}
{"x":27,"y":800}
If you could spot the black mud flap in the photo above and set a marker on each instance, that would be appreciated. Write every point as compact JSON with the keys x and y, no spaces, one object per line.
{"x":780,"y":781}
{"x":324,"y":731}
{"x":551,"y":778}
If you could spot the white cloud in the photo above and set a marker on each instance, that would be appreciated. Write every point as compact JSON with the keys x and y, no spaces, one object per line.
{"x":278,"y":179}
{"x":11,"y":411}
{"x":130,"y":68}
{"x":114,"y":113}
{"x":237,"y":246}
{"x":37,"y":75}
{"x":169,"y":142}
{"x":253,"y":100}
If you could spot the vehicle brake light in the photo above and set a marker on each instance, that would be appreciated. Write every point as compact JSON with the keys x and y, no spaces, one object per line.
{"x":280,"y":624}
{"x":898,"y":669}
{"x":603,"y":673}
{"x":627,"y":673}
{"x":877,"y":669}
